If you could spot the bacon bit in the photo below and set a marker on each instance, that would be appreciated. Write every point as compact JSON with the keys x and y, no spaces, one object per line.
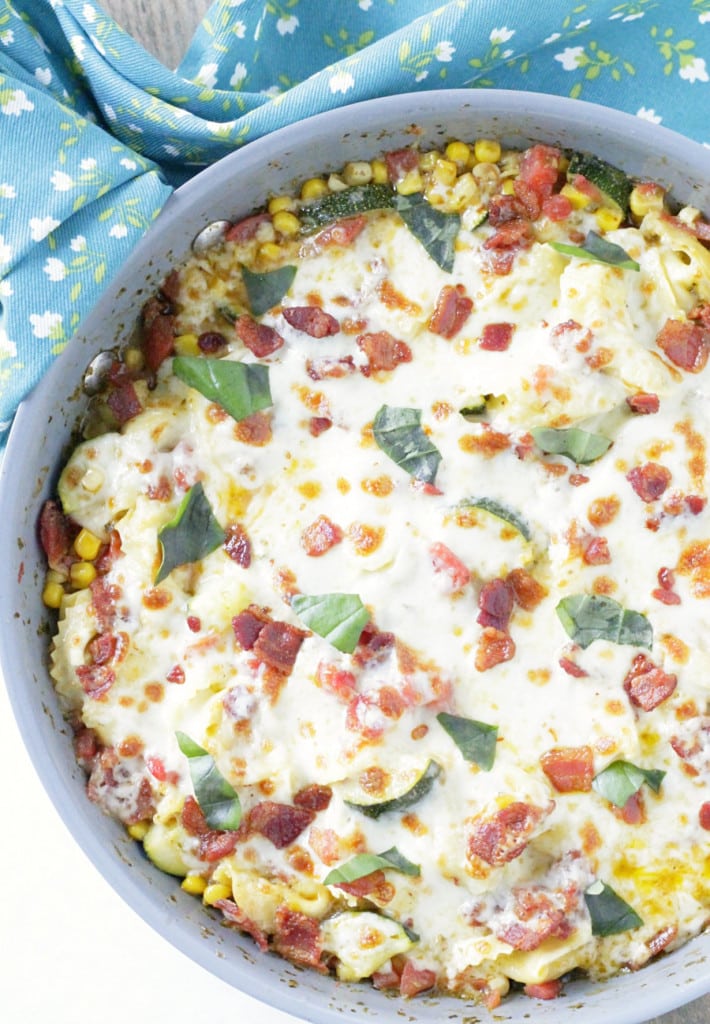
{"x":508,"y":239}
{"x":278,"y":644}
{"x":158,"y":333}
{"x":633,"y":812}
{"x":254,"y":430}
{"x":246,"y":229}
{"x":695,"y":504}
{"x":328,"y":368}
{"x":400,"y":162}
{"x":383,"y":980}
{"x":415,"y":980}
{"x":312,"y":320}
{"x":704,"y":815}
{"x":452,"y":310}
{"x":384,"y":352}
{"x":281,"y":824}
{"x":494,"y":647}
{"x":124,"y":402}
{"x":643,"y":403}
{"x":496,"y":337}
{"x":649,"y":481}
{"x":373,"y":886}
{"x":314,"y":797}
{"x":321,"y":536}
{"x":572,"y":669}
{"x":318,"y":425}
{"x":211,"y":342}
{"x":109,"y":552}
{"x":103,"y":598}
{"x":597,"y":552}
{"x":342,"y":233}
{"x":176,"y":675}
{"x":557,"y":208}
{"x":102,"y":648}
{"x":237,"y":917}
{"x":665,"y":594}
{"x":237,"y":545}
{"x":687,"y":345}
{"x":540,"y":168}
{"x":648,"y":685}
{"x":56,"y":533}
{"x":248,"y":624}
{"x":194,"y":624}
{"x":569,"y":769}
{"x":662,"y":939}
{"x":192,"y":818}
{"x":215,"y":845}
{"x":504,"y":835}
{"x":496,"y":605}
{"x":373,"y":646}
{"x":260,"y":339}
{"x":577,"y":479}
{"x":95,"y":680}
{"x":446,"y":563}
{"x":364,"y":716}
{"x":544,"y":989}
{"x":298,"y":938}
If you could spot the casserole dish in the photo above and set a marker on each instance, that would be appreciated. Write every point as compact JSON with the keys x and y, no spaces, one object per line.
{"x":231,"y":190}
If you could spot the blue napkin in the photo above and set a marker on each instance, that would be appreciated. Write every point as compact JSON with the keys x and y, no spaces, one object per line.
{"x":95,"y":133}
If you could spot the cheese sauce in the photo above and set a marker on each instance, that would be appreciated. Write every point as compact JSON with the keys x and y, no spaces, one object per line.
{"x":500,"y":772}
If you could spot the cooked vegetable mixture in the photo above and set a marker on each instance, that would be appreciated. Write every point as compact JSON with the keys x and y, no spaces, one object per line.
{"x":383,"y":573}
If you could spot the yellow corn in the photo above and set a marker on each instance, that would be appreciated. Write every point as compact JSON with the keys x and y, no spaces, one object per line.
{"x":459,"y":153}
{"x":280,"y":203}
{"x":186,"y":345}
{"x":646,"y":199}
{"x":445,"y":172}
{"x":379,"y":172}
{"x":608,"y":219}
{"x":286,"y":223}
{"x":194,"y":884}
{"x":313,"y":188}
{"x":216,"y":891}
{"x":133,"y":359}
{"x":358,"y":172}
{"x":508,"y":187}
{"x":87,"y":545}
{"x":465,"y":192}
{"x":52,"y":594}
{"x":410,"y":183}
{"x":270,"y":251}
{"x":579,"y":200}
{"x":336,"y":183}
{"x":428,"y":160}
{"x":486,"y":151}
{"x":486,"y":174}
{"x":82,"y":574}
{"x":92,"y":480}
{"x":139,"y":830}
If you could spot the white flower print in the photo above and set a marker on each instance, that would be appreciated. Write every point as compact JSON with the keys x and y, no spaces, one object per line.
{"x":43,"y":75}
{"x":133,"y":127}
{"x":365,"y":5}
{"x":5,"y":251}
{"x":47,"y":324}
{"x":109,"y":112}
{"x":78,"y":243}
{"x":696,"y":71}
{"x":39,"y":229}
{"x":420,"y":76}
{"x":7,"y":191}
{"x":569,"y":58}
{"x":649,"y":114}
{"x":88,"y":163}
{"x":130,"y":165}
{"x":341,"y":81}
{"x":704,"y":17}
{"x":171,"y":150}
{"x":239,"y":29}
{"x":5,"y":289}
{"x":583,"y":24}
{"x":207,"y":76}
{"x":7,"y":347}
{"x":287,"y":25}
{"x":56,"y":270}
{"x":551,"y":39}
{"x":238,"y":76}
{"x":17,"y":103}
{"x":88,"y":13}
{"x":62,"y":182}
{"x":78,"y":45}
{"x":501,"y":35}
{"x":118,"y":231}
{"x":444,"y":51}
{"x":7,"y":37}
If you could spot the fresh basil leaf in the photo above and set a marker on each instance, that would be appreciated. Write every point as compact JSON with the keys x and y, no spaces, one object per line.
{"x":192,"y":533}
{"x":500,"y":511}
{"x":578,"y":445}
{"x":218,"y":801}
{"x":598,"y":250}
{"x":437,"y":231}
{"x":590,"y":617}
{"x":363,"y":864}
{"x":398,"y":432}
{"x":338,"y":618}
{"x":240,"y":388}
{"x":621,"y":779}
{"x":411,"y":796}
{"x":350,"y":201}
{"x":476,"y":740}
{"x":609,"y":913}
{"x":265,"y":291}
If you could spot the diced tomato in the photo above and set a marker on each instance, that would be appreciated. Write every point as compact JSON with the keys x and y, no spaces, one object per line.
{"x":446,"y":563}
{"x":544,"y":989}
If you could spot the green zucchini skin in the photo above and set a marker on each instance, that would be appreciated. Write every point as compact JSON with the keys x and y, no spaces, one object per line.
{"x":612,"y":182}
{"x":400,"y":803}
{"x":337,"y":205}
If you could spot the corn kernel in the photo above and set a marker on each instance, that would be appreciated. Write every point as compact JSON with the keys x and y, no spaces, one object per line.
{"x":133,"y":359}
{"x":459,"y":153}
{"x":286,"y":223}
{"x":336,"y":183}
{"x":216,"y":891}
{"x":445,"y":172}
{"x":52,"y":594}
{"x":465,"y":192}
{"x":82,"y":574}
{"x":646,"y":198}
{"x":56,"y":576}
{"x":279,"y":203}
{"x":139,"y":830}
{"x":607,"y":219}
{"x":508,"y":187}
{"x":92,"y":480}
{"x":379,"y":172}
{"x":87,"y":545}
{"x":313,"y":188}
{"x":186,"y":345}
{"x":428,"y":160}
{"x":270,"y":251}
{"x":358,"y":172}
{"x":579,"y":200}
{"x":486,"y":174}
{"x":487,"y":151}
{"x":194,"y":884}
{"x":410,"y":183}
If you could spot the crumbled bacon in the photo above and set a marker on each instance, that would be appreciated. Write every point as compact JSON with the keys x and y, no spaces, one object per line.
{"x":281,"y":824}
{"x":494,"y":647}
{"x":648,"y":685}
{"x":237,"y":545}
{"x":649,"y":481}
{"x":569,"y":769}
{"x":384,"y":352}
{"x":415,"y":979}
{"x":496,"y":604}
{"x":452,"y":310}
{"x":278,"y":644}
{"x":496,"y":337}
{"x":314,"y":797}
{"x":297,"y":938}
{"x":643,"y":403}
{"x":56,"y":533}
{"x":320,"y":536}
{"x":235,"y":916}
{"x":502,"y":836}
{"x":260,"y":339}
{"x":312,"y":320}
{"x":686,"y":344}
{"x":124,"y":402}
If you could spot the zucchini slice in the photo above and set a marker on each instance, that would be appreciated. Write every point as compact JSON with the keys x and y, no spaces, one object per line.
{"x":614,"y":185}
{"x":499,"y":511}
{"x":337,"y":205}
{"x":419,"y":789}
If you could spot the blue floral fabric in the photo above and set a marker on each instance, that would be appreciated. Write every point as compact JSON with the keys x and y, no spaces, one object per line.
{"x":95,"y":133}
